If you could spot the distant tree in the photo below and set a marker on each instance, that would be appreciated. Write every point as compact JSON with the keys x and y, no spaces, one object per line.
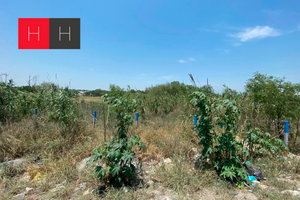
{"x":273,"y":96}
{"x":229,"y":93}
{"x":116,"y":91}
{"x":11,"y":83}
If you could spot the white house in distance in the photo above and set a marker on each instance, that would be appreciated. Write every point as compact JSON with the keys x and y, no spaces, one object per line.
{"x":81,"y":92}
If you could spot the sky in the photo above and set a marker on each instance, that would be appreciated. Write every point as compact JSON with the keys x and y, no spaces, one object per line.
{"x":150,"y":42}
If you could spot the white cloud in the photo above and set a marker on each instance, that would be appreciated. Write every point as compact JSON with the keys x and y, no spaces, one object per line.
{"x":237,"y":44}
{"x":181,"y":61}
{"x":192,"y":59}
{"x":258,"y":32}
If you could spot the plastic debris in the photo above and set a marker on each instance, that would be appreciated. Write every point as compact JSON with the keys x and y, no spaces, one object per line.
{"x":254,"y":171}
{"x":252,"y":178}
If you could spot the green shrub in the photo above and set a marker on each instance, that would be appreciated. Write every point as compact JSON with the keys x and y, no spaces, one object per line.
{"x":260,"y":143}
{"x":221,"y":148}
{"x":118,"y":155}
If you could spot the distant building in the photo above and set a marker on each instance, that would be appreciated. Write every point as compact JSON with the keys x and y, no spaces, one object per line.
{"x":81,"y":92}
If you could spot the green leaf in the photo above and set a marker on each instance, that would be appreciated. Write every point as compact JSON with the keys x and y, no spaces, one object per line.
{"x":118,"y":145}
{"x":127,"y":157}
{"x":98,"y":169}
{"x":118,"y":179}
{"x":116,"y":169}
{"x":241,"y":172}
{"x":107,"y":145}
{"x":108,"y":169}
{"x":111,"y":154}
{"x":228,"y":173}
{"x":127,"y":171}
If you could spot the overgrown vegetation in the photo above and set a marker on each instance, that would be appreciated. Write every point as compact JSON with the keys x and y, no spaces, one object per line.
{"x":118,"y":155}
{"x":216,"y":127}
{"x":232,"y":127}
{"x":221,"y":147}
{"x":259,"y":143}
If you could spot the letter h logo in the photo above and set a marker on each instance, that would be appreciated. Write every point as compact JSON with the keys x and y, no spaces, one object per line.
{"x":49,"y":33}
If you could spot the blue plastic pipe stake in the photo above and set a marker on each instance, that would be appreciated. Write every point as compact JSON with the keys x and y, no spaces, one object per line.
{"x":195,"y":120}
{"x":137,"y":116}
{"x":94,"y":119}
{"x":35,"y":111}
{"x":286,"y":127}
{"x":286,"y":133}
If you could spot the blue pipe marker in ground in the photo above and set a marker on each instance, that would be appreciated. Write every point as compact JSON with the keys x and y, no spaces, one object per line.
{"x":35,"y":111}
{"x":195,"y":122}
{"x":286,"y":133}
{"x":137,"y":118}
{"x":94,"y":119}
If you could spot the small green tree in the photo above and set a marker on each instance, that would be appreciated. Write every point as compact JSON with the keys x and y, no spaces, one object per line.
{"x":273,"y":98}
{"x":118,"y":155}
{"x":224,"y":152}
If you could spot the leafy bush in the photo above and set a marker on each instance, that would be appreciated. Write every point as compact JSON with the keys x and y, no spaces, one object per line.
{"x":53,"y":104}
{"x":260,"y":143}
{"x":7,"y":99}
{"x":163,"y":99}
{"x":217,"y":129}
{"x":118,"y":155}
{"x":221,"y":148}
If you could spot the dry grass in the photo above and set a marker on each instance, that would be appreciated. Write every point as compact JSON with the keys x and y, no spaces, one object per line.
{"x":34,"y":138}
{"x":89,"y":99}
{"x":165,"y":137}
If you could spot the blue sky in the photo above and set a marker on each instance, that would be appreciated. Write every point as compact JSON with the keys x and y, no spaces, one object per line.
{"x":144,"y":43}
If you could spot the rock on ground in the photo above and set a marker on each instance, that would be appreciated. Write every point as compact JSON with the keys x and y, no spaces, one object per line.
{"x":260,"y":184}
{"x":293,"y":192}
{"x":162,"y":193}
{"x":287,"y":180}
{"x":14,"y":163}
{"x":293,"y":156}
{"x":245,"y":194}
{"x":82,"y":164}
{"x":167,"y":160}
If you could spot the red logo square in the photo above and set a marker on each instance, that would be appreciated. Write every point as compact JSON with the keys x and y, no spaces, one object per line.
{"x":33,"y":33}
